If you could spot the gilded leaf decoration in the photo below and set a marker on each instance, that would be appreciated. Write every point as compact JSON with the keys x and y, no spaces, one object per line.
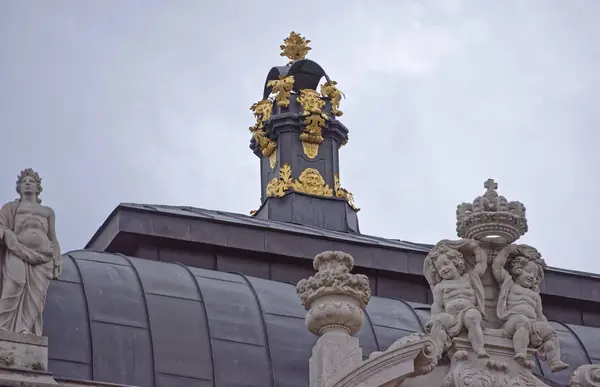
{"x":330,"y":90}
{"x":344,"y":193}
{"x":295,"y":47}
{"x":278,"y":186}
{"x":282,"y":88}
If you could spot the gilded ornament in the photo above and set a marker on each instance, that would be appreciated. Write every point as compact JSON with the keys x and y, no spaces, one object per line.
{"x":315,"y":119}
{"x":295,"y":47}
{"x":344,"y":193}
{"x":253,"y":212}
{"x":330,"y":90}
{"x":282,"y":88}
{"x":272,"y":159}
{"x":262,"y":113}
{"x":311,"y":182}
{"x":279,"y":185}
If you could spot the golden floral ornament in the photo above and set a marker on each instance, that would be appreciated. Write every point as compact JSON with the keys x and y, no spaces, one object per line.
{"x":343,"y":193}
{"x":330,"y":90}
{"x":282,"y":89}
{"x":314,"y":120}
{"x":262,"y":113}
{"x":295,"y":47}
{"x":278,"y":186}
{"x":311,"y":182}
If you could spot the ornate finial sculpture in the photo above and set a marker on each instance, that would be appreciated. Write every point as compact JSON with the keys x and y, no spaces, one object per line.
{"x":30,"y":256}
{"x":491,"y":216}
{"x":334,"y":297}
{"x":519,"y":271}
{"x":293,"y":110}
{"x":458,"y":295}
{"x":508,"y":321}
{"x":295,"y":47}
{"x":586,"y":376}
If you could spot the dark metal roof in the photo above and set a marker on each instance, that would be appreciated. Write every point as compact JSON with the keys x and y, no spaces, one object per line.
{"x":134,"y":321}
{"x":250,"y":221}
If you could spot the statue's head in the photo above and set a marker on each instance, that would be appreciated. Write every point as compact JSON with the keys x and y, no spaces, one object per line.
{"x":29,"y":183}
{"x":527,"y":272}
{"x":448,"y":263}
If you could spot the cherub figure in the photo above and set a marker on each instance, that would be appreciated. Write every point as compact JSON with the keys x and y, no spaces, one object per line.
{"x":458,"y":298}
{"x":519,"y":271}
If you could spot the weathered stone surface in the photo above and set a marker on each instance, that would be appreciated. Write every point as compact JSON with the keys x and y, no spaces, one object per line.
{"x":23,"y":351}
{"x":586,"y":376}
{"x":30,"y":256}
{"x":458,"y":294}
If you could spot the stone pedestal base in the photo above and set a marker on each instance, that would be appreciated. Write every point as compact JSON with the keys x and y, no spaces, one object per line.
{"x":25,"y":352}
{"x":24,"y":363}
{"x":500,"y":369}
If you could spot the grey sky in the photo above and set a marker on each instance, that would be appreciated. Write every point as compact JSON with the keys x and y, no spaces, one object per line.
{"x":148,"y":101}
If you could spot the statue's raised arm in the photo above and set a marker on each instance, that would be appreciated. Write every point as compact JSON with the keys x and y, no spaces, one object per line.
{"x":498,"y":270}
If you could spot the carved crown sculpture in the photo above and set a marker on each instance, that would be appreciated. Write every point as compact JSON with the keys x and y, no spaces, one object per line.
{"x":334,"y":297}
{"x":491,"y":216}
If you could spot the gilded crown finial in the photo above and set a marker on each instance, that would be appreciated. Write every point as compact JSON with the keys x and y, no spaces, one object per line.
{"x":491,"y":215}
{"x":295,"y":47}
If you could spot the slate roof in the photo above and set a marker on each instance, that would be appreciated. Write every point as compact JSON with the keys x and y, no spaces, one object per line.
{"x":133,"y":321}
{"x":250,"y":221}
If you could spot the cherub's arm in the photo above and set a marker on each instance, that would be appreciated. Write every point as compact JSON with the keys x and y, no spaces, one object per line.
{"x":498,"y":266}
{"x":538,"y":309}
{"x":480,"y":258}
{"x":438,"y":302}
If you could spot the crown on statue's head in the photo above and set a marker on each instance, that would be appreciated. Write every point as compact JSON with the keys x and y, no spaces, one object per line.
{"x":491,"y":216}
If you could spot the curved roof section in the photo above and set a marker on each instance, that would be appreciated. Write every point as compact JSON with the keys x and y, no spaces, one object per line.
{"x":307,"y":74}
{"x":126,"y":320}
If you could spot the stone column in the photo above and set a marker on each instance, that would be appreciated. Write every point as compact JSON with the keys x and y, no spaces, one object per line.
{"x":335,"y":300}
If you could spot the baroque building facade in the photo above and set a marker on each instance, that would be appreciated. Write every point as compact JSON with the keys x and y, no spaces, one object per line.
{"x":293,"y":294}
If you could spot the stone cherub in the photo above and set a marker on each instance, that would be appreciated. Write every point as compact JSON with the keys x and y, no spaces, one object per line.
{"x":458,"y":298}
{"x":519,"y":271}
{"x":29,"y":255}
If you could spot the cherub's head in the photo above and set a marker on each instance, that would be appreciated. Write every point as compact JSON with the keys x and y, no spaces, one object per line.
{"x":526,"y":272}
{"x":448,"y":263}
{"x":29,"y":183}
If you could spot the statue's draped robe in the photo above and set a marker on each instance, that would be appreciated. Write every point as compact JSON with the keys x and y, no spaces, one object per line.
{"x":26,"y":274}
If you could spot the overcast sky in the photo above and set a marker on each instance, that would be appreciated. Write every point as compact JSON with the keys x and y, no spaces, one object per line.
{"x":148,"y":101}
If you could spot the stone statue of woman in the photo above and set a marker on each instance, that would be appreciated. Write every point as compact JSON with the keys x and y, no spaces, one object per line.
{"x":29,"y":255}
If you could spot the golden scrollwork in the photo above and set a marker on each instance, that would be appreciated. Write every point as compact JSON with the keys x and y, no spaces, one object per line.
{"x":279,"y":185}
{"x":311,"y":182}
{"x":344,"y":193}
{"x":330,"y":90}
{"x":282,"y":88}
{"x":315,"y":119}
{"x":262,"y":113}
{"x":295,"y":47}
